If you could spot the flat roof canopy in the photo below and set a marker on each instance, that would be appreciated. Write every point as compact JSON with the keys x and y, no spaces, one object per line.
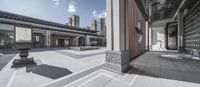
{"x":15,"y":19}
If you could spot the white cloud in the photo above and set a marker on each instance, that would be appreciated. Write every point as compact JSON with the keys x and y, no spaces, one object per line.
{"x":72,"y":7}
{"x":94,"y":13}
{"x":99,"y":15}
{"x":56,"y":2}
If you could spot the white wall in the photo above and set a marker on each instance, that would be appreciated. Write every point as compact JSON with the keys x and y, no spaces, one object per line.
{"x":6,"y":27}
{"x":158,"y":34}
{"x":88,"y":40}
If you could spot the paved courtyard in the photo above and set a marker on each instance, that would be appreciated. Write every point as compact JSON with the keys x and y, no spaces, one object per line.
{"x":50,"y":65}
{"x":6,"y":56}
{"x":61,"y":67}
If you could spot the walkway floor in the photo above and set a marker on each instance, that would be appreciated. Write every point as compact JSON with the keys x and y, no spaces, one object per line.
{"x":149,"y":70}
{"x":7,"y":56}
{"x":153,"y":64}
{"x":65,"y":68}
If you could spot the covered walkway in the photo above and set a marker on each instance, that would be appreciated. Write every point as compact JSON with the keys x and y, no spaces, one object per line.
{"x":175,"y":68}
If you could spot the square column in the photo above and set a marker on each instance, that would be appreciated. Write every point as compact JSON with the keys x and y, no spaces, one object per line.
{"x":75,"y":41}
{"x":48,"y":38}
{"x":180,"y":31}
{"x":117,"y":54}
{"x":87,"y":40}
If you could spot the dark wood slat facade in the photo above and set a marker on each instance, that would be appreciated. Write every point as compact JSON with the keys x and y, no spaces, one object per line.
{"x":135,"y":15}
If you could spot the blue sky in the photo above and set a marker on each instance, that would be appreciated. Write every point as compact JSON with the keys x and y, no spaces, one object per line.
{"x":57,"y":10}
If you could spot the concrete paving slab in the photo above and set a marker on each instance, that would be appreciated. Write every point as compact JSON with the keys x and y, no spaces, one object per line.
{"x":145,"y":81}
{"x":86,"y":72}
{"x":171,"y":74}
{"x":99,"y":81}
{"x":5,"y":59}
{"x":85,"y":52}
{"x":51,"y":58}
{"x":116,"y":83}
{"x":181,"y":70}
{"x":176,"y":83}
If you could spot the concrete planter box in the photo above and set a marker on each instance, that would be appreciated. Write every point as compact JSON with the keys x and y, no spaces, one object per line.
{"x":84,"y":48}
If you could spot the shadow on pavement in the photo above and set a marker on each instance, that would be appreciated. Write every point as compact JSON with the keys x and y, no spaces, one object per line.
{"x":9,"y":54}
{"x":151,"y":64}
{"x":49,"y":71}
{"x":10,"y":51}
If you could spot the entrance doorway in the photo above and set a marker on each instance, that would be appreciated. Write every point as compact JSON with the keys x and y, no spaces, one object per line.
{"x":81,"y":41}
{"x":61,"y":42}
{"x":172,"y":36}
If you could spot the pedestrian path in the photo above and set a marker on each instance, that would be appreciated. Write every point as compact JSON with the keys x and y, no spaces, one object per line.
{"x":50,"y":65}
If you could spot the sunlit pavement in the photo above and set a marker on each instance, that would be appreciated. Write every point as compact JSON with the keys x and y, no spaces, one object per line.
{"x":50,"y":65}
{"x":69,"y":68}
{"x":148,"y":70}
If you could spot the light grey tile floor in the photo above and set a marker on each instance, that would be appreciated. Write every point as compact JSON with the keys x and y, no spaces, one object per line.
{"x":48,"y":71}
{"x":170,"y":68}
{"x":148,"y":70}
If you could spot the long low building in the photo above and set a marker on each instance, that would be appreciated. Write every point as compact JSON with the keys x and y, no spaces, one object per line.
{"x":46,"y":33}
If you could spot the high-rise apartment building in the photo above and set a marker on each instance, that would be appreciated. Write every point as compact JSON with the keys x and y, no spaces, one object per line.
{"x":94,"y":25}
{"x":74,"y":21}
{"x":101,"y":26}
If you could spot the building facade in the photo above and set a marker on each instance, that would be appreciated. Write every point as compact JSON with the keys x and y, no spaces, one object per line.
{"x":74,"y":21}
{"x":101,"y":25}
{"x":94,"y":25}
{"x":45,"y":33}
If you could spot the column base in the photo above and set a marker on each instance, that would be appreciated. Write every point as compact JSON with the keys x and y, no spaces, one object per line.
{"x":180,"y":50}
{"x":118,"y":61}
{"x":23,"y":61}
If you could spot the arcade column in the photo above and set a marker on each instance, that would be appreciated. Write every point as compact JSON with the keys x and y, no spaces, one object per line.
{"x":48,"y":38}
{"x":180,"y":31}
{"x":75,"y":41}
{"x":117,"y":54}
{"x":87,"y":41}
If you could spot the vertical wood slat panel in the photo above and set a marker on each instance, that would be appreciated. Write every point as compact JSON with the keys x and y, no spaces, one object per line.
{"x":134,"y":12}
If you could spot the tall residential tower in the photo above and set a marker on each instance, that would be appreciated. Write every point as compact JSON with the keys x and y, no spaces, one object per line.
{"x":94,"y":25}
{"x":74,"y":21}
{"x":101,"y":26}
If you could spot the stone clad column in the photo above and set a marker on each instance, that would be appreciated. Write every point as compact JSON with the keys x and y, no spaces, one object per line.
{"x":117,"y":54}
{"x":76,"y":40}
{"x":87,"y":41}
{"x":48,"y":38}
{"x":180,"y":31}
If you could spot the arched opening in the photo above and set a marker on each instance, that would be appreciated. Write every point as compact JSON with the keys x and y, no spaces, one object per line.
{"x":81,"y":41}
